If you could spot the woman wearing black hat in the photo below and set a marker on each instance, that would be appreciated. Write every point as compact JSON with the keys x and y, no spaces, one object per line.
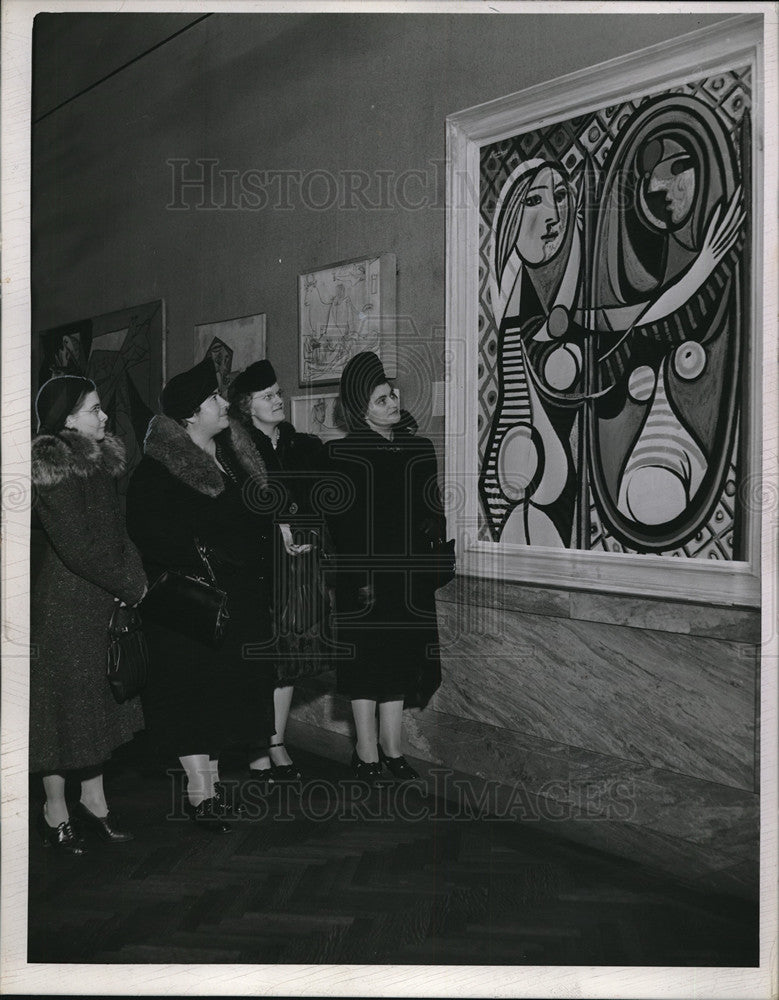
{"x":199,"y":699}
{"x":89,"y":563}
{"x":294,"y":462}
{"x":384,"y":597}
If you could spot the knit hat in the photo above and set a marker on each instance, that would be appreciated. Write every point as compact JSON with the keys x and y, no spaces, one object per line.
{"x":185,"y":392}
{"x":255,"y":378}
{"x":360,"y":377}
{"x":57,"y":399}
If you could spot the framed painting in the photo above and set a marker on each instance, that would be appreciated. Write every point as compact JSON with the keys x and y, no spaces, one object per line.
{"x":123,"y":352}
{"x":344,"y":309}
{"x":233,"y":344}
{"x":603,"y":324}
{"x":318,"y":414}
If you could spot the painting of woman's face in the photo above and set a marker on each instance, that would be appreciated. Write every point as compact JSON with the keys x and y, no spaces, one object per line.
{"x":670,"y":183}
{"x":544,"y":221}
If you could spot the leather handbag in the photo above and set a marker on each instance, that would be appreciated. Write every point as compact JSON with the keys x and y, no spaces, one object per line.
{"x":439,"y":557}
{"x":193,"y":606}
{"x":128,"y":655}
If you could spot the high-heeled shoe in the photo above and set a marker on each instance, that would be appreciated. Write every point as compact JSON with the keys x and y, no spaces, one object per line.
{"x":399,"y":767}
{"x":284,"y":772}
{"x":363,"y":770}
{"x":208,"y":816}
{"x":63,"y":837}
{"x":104,"y":826}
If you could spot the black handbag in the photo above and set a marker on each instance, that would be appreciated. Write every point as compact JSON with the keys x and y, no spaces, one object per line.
{"x":193,"y":606}
{"x":439,"y":557}
{"x":128,"y":655}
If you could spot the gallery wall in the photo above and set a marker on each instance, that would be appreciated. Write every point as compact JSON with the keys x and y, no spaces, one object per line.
{"x":555,"y":689}
{"x":347,"y":111}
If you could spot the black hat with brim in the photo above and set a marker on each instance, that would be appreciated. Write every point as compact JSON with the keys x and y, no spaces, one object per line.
{"x":255,"y":378}
{"x":185,"y":392}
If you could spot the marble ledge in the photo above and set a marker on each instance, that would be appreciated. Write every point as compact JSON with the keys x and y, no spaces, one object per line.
{"x":682,"y":703}
{"x":699,"y":866}
{"x":594,"y":785}
{"x":686,"y":618}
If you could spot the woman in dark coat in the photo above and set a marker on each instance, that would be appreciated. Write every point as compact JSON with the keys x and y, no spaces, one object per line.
{"x":295,"y":463}
{"x":199,"y":699}
{"x":385,"y":589}
{"x":88,"y":565}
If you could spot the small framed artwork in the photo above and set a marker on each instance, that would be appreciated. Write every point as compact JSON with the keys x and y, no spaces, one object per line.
{"x":344,"y":309}
{"x":233,"y":344}
{"x":319,"y":414}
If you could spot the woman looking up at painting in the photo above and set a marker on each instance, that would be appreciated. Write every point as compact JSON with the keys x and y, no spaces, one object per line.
{"x":89,"y":564}
{"x":385,"y":604}
{"x":186,"y":495}
{"x":294,"y":463}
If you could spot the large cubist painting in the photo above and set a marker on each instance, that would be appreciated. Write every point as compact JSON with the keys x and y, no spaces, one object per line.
{"x":616,"y":327}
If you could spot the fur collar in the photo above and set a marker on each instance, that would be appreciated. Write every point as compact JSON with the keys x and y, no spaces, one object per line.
{"x":56,"y":457}
{"x":169,"y":444}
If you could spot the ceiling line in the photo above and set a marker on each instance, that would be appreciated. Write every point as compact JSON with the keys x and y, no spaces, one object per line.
{"x":120,"y":68}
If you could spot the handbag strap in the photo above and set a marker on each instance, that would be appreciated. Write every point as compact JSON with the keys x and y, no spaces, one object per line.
{"x":203,"y":553}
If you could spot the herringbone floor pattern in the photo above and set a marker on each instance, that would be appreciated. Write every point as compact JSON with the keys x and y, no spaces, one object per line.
{"x":329,"y":877}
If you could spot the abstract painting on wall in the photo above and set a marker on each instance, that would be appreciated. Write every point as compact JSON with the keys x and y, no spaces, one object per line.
{"x":233,"y":345}
{"x":123,"y":353}
{"x":613,"y":325}
{"x":611,"y":272}
{"x":319,"y":414}
{"x":344,"y":309}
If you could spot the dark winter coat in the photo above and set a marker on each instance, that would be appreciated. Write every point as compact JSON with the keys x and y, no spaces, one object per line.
{"x":88,"y":562}
{"x":295,"y":467}
{"x":300,"y":604}
{"x":389,"y":500}
{"x":199,"y":700}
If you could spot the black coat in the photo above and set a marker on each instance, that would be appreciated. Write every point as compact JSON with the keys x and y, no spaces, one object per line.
{"x":295,"y":469}
{"x":200,"y":700}
{"x":301,"y":613}
{"x":88,"y":561}
{"x":384,"y":500}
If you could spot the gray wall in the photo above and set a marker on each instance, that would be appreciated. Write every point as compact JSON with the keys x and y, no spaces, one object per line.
{"x":563,"y":691}
{"x":306,"y":93}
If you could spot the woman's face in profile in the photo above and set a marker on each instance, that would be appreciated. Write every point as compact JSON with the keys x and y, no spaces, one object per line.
{"x":670,"y":183}
{"x":544,"y":220}
{"x":674,"y":182}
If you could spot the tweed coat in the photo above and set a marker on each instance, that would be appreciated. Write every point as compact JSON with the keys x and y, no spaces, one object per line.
{"x":198,"y":699}
{"x":390,"y":498}
{"x":88,"y":561}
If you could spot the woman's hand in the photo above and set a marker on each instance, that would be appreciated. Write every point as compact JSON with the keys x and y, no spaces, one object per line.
{"x":722,"y":233}
{"x":289,"y":542}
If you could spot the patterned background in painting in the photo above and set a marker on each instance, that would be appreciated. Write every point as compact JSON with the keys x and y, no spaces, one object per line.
{"x":624,"y":387}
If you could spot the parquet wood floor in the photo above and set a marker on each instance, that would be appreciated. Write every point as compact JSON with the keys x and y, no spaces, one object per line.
{"x":333,"y":879}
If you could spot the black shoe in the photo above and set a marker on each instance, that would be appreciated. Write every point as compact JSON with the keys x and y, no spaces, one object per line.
{"x":208,"y":816}
{"x":103,"y":826}
{"x":229,"y":801}
{"x":399,"y":767}
{"x":284,"y":772}
{"x":365,"y":770}
{"x":61,"y":837}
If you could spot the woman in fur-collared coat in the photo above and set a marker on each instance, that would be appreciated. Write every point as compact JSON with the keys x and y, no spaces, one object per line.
{"x":201,"y":478}
{"x":89,"y":563}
